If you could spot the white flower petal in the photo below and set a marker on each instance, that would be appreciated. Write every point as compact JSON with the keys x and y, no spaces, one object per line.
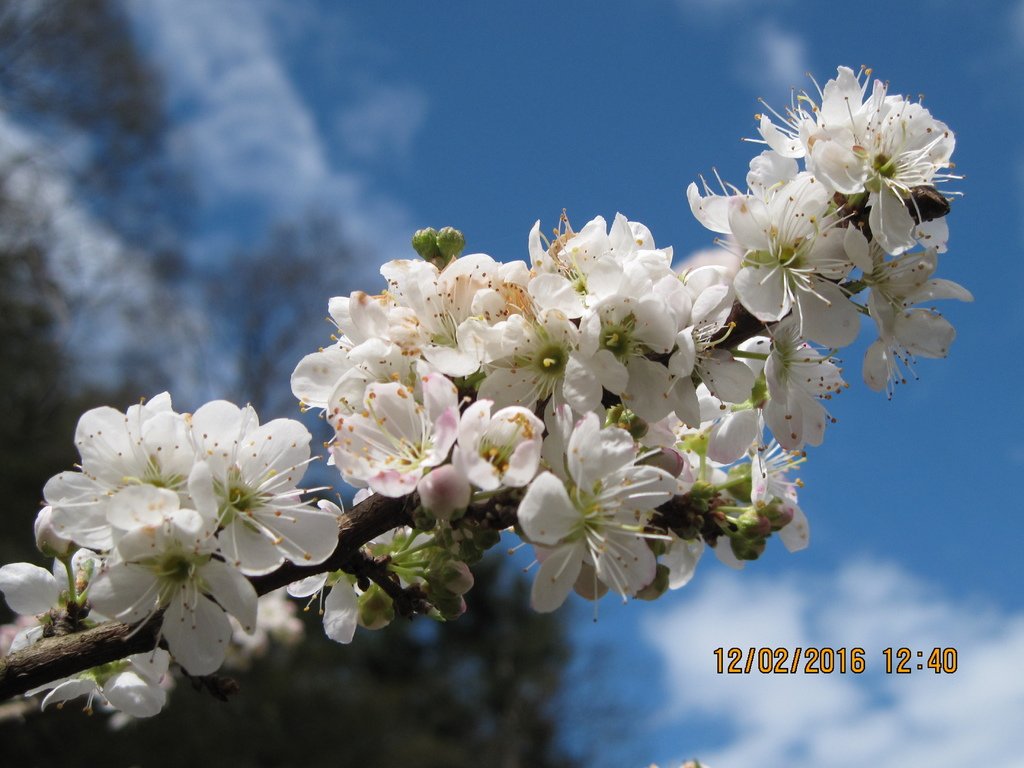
{"x":28,"y":589}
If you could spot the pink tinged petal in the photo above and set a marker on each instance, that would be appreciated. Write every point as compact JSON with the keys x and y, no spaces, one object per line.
{"x":732,"y":436}
{"x":763,"y":292}
{"x":28,"y":589}
{"x":924,"y":333}
{"x":877,"y":361}
{"x":681,"y":559}
{"x":141,"y":505}
{"x":125,"y":592}
{"x":197,"y":635}
{"x":797,"y":534}
{"x":341,"y":612}
{"x":439,"y":395}
{"x":232,"y":591}
{"x":522,"y":464}
{"x":890,"y":221}
{"x":133,"y":695}
{"x":558,"y":571}
{"x":394,"y":484}
{"x":248,"y":549}
{"x":750,"y":222}
{"x":546,"y":513}
{"x":446,"y":489}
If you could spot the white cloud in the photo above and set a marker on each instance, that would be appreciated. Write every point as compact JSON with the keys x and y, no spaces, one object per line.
{"x":842,"y":720}
{"x":243,"y":129}
{"x":1017,"y":24}
{"x":773,"y":59}
{"x":383,"y":122}
{"x":108,"y":298}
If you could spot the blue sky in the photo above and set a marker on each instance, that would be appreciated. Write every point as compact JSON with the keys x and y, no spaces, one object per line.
{"x":489,"y":116}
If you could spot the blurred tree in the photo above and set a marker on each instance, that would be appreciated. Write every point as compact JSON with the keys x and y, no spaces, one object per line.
{"x":479,"y":691}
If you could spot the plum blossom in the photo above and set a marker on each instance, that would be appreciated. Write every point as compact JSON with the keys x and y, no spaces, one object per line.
{"x":593,"y":511}
{"x":396,"y":439}
{"x":169,"y":566}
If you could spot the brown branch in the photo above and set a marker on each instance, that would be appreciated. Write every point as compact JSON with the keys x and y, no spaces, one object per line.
{"x":56,"y":657}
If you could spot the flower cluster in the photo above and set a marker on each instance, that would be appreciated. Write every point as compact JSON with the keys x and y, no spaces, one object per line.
{"x":165,"y":518}
{"x":617,"y":412}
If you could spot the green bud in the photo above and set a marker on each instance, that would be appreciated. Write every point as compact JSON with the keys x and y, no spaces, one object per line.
{"x":448,"y":604}
{"x":450,"y":243}
{"x":752,"y":525}
{"x":376,"y":610}
{"x":656,"y":588}
{"x":425,"y":244}
{"x":739,"y":482}
{"x":745,"y":549}
{"x":623,"y":418}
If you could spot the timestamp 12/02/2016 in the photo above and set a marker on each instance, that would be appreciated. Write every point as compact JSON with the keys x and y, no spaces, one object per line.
{"x":826,"y":660}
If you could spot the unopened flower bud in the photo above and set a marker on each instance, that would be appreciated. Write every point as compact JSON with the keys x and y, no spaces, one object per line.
{"x":623,"y":418}
{"x":424,"y":242}
{"x":656,"y":588}
{"x":753,"y":525}
{"x":445,"y":492}
{"x":746,"y":549}
{"x":668,"y":459}
{"x":450,"y":243}
{"x":376,"y":610}
{"x":48,"y":541}
{"x":456,"y":577}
